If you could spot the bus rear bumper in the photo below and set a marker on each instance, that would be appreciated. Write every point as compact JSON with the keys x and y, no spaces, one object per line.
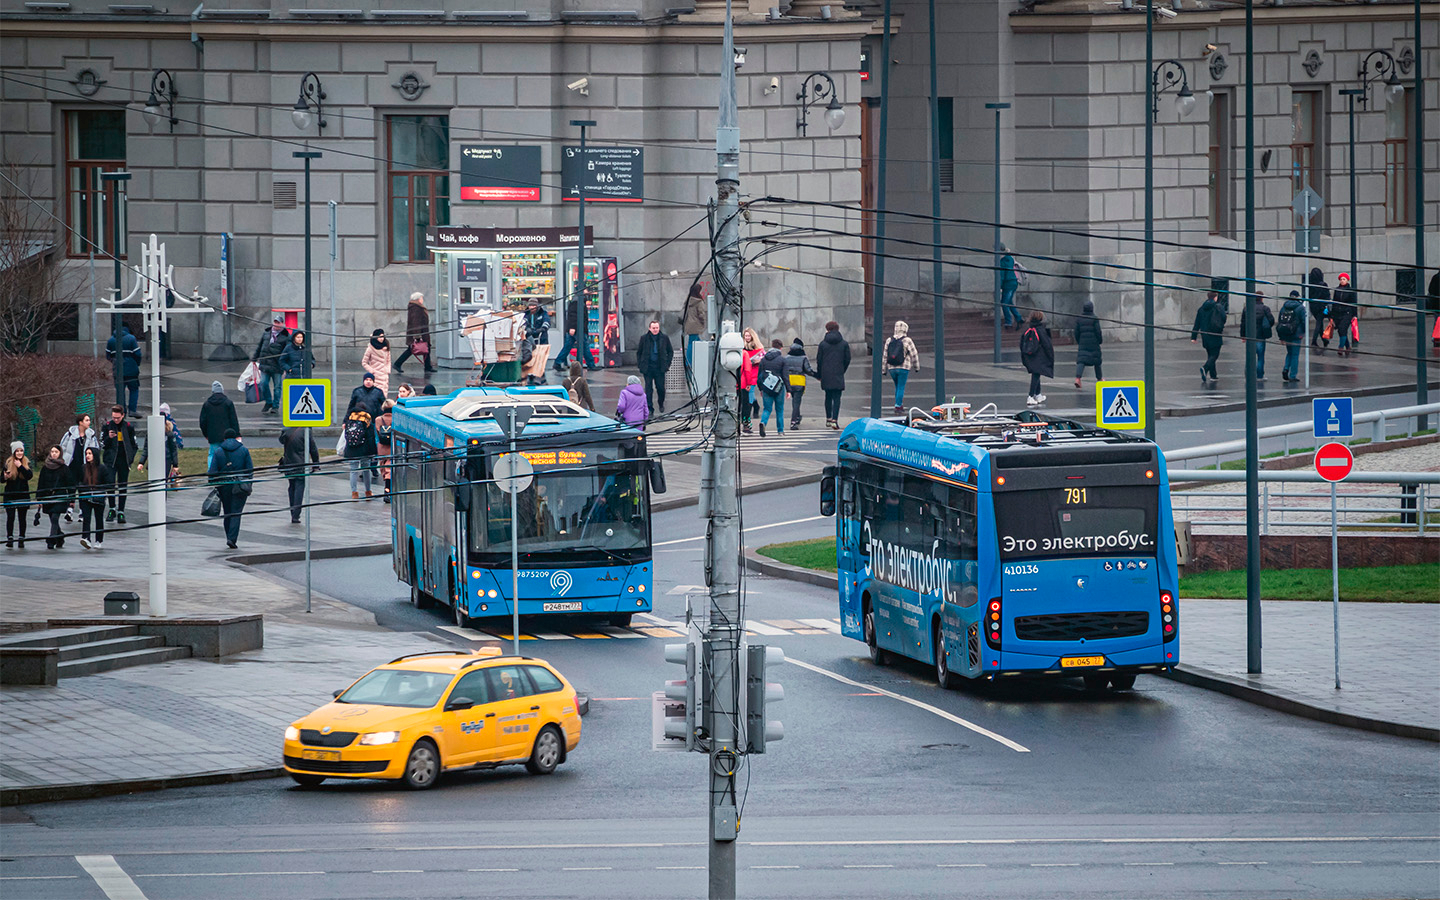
{"x":1141,"y":659}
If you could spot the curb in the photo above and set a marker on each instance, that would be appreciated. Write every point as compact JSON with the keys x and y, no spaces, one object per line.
{"x":1181,"y":412}
{"x":260,"y":559}
{"x":759,"y":487}
{"x":49,"y":793}
{"x":1196,"y":676}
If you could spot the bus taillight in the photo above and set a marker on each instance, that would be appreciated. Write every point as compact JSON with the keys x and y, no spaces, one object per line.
{"x":1169,"y":616}
{"x":992,"y":624}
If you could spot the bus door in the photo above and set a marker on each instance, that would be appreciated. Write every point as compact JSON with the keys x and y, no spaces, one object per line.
{"x":432,"y":530}
{"x":400,"y":506}
{"x":847,"y":548}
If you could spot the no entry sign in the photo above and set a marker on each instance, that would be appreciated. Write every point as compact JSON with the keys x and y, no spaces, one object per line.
{"x":1334,"y":462}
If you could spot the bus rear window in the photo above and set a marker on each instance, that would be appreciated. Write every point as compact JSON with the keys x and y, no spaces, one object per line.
{"x":1077,"y":521}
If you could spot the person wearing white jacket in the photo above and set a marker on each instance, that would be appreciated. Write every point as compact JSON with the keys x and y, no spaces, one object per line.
{"x":377,"y":359}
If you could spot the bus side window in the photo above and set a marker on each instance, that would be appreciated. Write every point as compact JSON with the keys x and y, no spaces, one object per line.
{"x":847,"y":498}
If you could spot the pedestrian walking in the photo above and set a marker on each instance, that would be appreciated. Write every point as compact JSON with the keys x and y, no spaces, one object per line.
{"x":901,"y":359}
{"x":1259,"y":331}
{"x":54,"y":491}
{"x":130,"y":356}
{"x":117,"y":446}
{"x":653,"y":356}
{"x":217,"y":416}
{"x":1209,"y":327}
{"x":797,"y":367}
{"x":770,"y":378}
{"x":385,"y":444}
{"x":693,"y":321}
{"x":179,"y":438}
{"x":376,"y":360}
{"x":1317,"y":294}
{"x":171,"y":457}
{"x":1009,"y":284}
{"x":574,"y":309}
{"x":1343,"y":310}
{"x":292,"y":466}
{"x":230,"y":473}
{"x":77,"y":439}
{"x":1290,"y":329}
{"x":295,"y":355}
{"x":96,"y":483}
{"x":16,"y":475}
{"x":1088,"y":339}
{"x":417,"y":333}
{"x":832,"y":360}
{"x":750,"y":358}
{"x":273,"y":341}
{"x":367,"y":396}
{"x":357,"y":439}
{"x":633,"y":409}
{"x":1432,"y":303}
{"x":1038,"y":354}
{"x":537,"y":332}
{"x":577,"y":387}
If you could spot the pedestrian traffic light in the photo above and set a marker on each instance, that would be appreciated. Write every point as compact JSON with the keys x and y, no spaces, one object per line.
{"x":759,"y":694}
{"x":683,"y":715}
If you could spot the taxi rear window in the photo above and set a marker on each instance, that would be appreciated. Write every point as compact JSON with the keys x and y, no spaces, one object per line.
{"x":398,"y":687}
{"x":545,"y":681}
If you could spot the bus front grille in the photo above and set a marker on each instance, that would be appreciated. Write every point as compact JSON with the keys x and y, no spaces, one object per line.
{"x":1088,"y":626}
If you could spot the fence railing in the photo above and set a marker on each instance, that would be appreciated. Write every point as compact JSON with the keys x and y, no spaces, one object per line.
{"x":1382,"y":427}
{"x":1378,"y":501}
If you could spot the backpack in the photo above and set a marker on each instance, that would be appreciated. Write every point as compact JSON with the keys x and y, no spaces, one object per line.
{"x":770,"y":381}
{"x":1030,"y":342}
{"x":895,"y":353}
{"x":1265,"y":326}
{"x":1022,"y":274}
{"x":1289,"y":324}
{"x":356,"y":427}
{"x":527,"y":350}
{"x":1217,"y":319}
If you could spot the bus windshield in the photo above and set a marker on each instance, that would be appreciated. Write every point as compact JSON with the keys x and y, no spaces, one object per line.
{"x":1077,"y":521}
{"x":600,"y":512}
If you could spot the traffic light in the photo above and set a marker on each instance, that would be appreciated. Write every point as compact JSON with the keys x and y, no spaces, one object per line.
{"x":758,"y":694}
{"x":683,"y":715}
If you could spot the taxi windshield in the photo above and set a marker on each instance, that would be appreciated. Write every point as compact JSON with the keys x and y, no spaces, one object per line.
{"x":398,"y":687}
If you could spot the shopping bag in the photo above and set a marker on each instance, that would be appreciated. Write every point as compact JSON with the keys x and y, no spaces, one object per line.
{"x":252,"y":393}
{"x":1329,"y":331}
{"x":211,"y":507}
{"x":1355,"y":330}
{"x":250,"y":376}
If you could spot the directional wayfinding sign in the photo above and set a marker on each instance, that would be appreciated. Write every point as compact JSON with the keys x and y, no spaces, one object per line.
{"x":1334,"y":462}
{"x":605,"y":174}
{"x":1120,"y":404}
{"x":305,"y":403}
{"x":1334,"y":417}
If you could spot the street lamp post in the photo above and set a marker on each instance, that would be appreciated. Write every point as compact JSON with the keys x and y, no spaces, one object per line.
{"x":877,"y":303}
{"x":1350,"y":94}
{"x":997,"y":107}
{"x":118,"y":180}
{"x":582,"y":336}
{"x":936,"y":274}
{"x":311,"y":93}
{"x":1422,"y":389}
{"x":818,"y":87}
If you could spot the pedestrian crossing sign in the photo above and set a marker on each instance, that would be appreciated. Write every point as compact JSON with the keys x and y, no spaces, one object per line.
{"x":305,"y":403}
{"x":1120,"y":404}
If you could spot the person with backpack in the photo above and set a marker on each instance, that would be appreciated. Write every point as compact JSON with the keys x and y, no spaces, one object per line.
{"x":1317,"y":294}
{"x":632,"y":408}
{"x":231,"y":473}
{"x":96,"y":481}
{"x":385,"y":443}
{"x":1009,"y":283}
{"x":73,"y":443}
{"x":267,"y":356}
{"x":367,"y":396}
{"x":797,"y":366}
{"x":292,"y":466}
{"x":130,"y":356}
{"x":217,"y":416}
{"x":901,"y":358}
{"x":171,"y":456}
{"x":357,"y":438}
{"x":54,"y":491}
{"x":577,"y":387}
{"x":653,"y":356}
{"x":1087,"y":342}
{"x":770,"y":378}
{"x":1290,"y":329}
{"x":832,"y":359}
{"x":1343,"y":310}
{"x":1038,"y":354}
{"x":693,"y":320}
{"x":1264,"y":327}
{"x":1209,"y":327}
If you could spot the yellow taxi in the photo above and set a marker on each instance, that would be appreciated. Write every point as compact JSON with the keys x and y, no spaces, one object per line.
{"x":427,"y":713}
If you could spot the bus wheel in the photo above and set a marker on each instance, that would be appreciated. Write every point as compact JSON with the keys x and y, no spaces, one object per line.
{"x":943,"y":675}
{"x":1096,"y":682}
{"x":878,"y":655}
{"x":419,"y":599}
{"x":461,"y":619}
{"x":620,"y":620}
{"x":1123,"y":682}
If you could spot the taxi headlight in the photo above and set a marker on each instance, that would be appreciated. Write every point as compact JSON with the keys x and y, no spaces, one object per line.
{"x":292,"y":733}
{"x":375,"y":738}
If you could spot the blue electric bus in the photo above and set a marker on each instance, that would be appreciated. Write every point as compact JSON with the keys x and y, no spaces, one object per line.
{"x":995,"y":545}
{"x":584,"y":520}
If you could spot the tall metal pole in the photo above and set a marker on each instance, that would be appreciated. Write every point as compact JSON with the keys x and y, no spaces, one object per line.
{"x":334,"y":332}
{"x":307,"y":472}
{"x":1350,"y":94}
{"x":1248,"y":360}
{"x":722,"y":637}
{"x":996,"y":239}
{"x":936,"y":275}
{"x":877,"y":312}
{"x":1422,"y":388}
{"x":582,"y":327}
{"x":116,"y":180}
{"x":514,"y":539}
{"x":1335,"y":579}
{"x":306,"y":360}
{"x":159,"y":468}
{"x":1150,"y":223}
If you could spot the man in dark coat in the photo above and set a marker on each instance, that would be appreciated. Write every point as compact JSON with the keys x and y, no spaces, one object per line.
{"x":653,"y":356}
{"x":292,"y":466}
{"x":130,"y":356}
{"x":367,"y":397}
{"x":230,"y":473}
{"x":1038,"y":354}
{"x":217,"y":416}
{"x":1264,"y":327}
{"x":1209,"y":327}
{"x":1088,"y":339}
{"x":267,"y":356}
{"x":832,"y":359}
{"x":1343,"y":310}
{"x":1317,"y":293}
{"x":118,"y":451}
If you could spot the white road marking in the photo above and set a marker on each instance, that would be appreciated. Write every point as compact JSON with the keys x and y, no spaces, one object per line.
{"x":492,"y":870}
{"x":1149,"y":864}
{"x":36,"y":877}
{"x":1421,"y":862}
{"x":774,"y":867}
{"x":468,"y":634}
{"x":682,"y":589}
{"x":221,"y":874}
{"x":618,"y":632}
{"x":553,"y":636}
{"x":111,"y":878}
{"x":1242,"y":864}
{"x":587,"y":869}
{"x":959,"y":865}
{"x":821,"y":623}
{"x":680,"y":868}
{"x":863,"y":866}
{"x":957,"y":842}
{"x":701,"y":537}
{"x":656,"y":620}
{"x":397,"y":871}
{"x":1052,"y":865}
{"x":762,"y":628}
{"x":1018,"y":748}
{"x":1335,"y":862}
{"x":1192,"y":431}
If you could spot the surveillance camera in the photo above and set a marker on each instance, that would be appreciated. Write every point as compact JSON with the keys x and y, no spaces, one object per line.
{"x":1166,"y":12}
{"x":1209,"y":49}
{"x":582,"y":85}
{"x":773,"y":86}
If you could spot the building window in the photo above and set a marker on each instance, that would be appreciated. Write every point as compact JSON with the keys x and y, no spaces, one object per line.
{"x":1397,"y":147}
{"x":418,"y":175}
{"x":945,"y":125}
{"x":1222,"y":151}
{"x":94,"y":143}
{"x":1304,"y":119}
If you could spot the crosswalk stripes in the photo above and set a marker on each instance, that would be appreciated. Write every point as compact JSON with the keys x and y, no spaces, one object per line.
{"x":652,"y":627}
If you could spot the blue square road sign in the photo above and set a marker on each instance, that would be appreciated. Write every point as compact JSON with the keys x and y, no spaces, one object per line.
{"x":305,"y":402}
{"x":1120,"y":404}
{"x":1334,"y":417}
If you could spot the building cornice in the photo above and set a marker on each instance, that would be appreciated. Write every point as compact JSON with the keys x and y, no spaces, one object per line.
{"x":1190,"y":20}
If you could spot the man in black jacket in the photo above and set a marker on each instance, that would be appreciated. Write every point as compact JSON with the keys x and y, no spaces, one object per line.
{"x":231,"y":472}
{"x":117,"y":448}
{"x":832,"y":359}
{"x":1210,"y":328}
{"x":267,"y":356}
{"x":1257,"y":336}
{"x":130,"y":356}
{"x":653,"y":356}
{"x":292,"y":466}
{"x":217,"y":415}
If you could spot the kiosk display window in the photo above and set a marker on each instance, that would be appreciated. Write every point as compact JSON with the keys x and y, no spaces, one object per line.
{"x":525,"y":277}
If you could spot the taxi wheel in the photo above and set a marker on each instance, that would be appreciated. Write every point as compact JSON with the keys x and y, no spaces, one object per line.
{"x":878,"y":656}
{"x":1122,"y":682}
{"x":546,"y":754}
{"x":308,"y":781}
{"x":422,"y":768}
{"x":1096,"y":682}
{"x":943,"y":675}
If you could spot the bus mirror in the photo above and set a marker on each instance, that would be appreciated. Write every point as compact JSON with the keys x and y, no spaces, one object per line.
{"x":657,"y":477}
{"x":827,"y":492}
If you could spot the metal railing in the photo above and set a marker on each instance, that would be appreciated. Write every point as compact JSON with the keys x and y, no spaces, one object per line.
{"x":1380,"y":422}
{"x":1301,"y":500}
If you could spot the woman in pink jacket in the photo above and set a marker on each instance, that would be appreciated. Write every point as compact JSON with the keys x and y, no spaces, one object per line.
{"x":377,"y":359}
{"x":749,"y":376}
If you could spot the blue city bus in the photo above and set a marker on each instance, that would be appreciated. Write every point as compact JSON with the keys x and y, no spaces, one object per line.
{"x":994,"y":545}
{"x":584,"y":520}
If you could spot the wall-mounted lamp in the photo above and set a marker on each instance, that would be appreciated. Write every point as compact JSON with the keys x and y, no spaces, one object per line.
{"x":311,"y":94}
{"x":162,"y":92}
{"x":818,"y":87}
{"x":1166,"y":75}
{"x":1384,"y":67}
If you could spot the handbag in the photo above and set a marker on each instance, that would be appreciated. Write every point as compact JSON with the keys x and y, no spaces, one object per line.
{"x":1329,"y":331}
{"x":210,"y":508}
{"x":420,"y":348}
{"x":252,"y":393}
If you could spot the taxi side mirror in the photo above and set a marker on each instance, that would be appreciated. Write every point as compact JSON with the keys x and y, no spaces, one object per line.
{"x":336,"y":694}
{"x":458,"y":703}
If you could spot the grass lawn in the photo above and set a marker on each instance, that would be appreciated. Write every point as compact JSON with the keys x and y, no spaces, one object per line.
{"x":1406,"y":584}
{"x":193,"y":459}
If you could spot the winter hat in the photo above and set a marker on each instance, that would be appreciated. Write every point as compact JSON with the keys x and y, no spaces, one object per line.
{"x":217,"y":388}
{"x":231,"y":433}
{"x":369,"y":376}
{"x":16,"y":445}
{"x":633,"y":379}
{"x":164,"y":409}
{"x":797,"y":343}
{"x":1088,"y":308}
{"x":377,"y":332}
{"x":1295,"y":294}
{"x":1345,"y":275}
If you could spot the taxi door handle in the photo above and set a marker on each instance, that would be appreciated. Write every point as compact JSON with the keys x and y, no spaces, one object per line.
{"x":534,"y":708}
{"x":489,"y":715}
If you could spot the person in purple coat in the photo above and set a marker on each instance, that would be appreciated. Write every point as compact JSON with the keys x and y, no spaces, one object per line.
{"x":633,"y":408}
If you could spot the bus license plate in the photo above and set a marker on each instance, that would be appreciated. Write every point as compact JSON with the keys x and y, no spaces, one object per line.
{"x":1080,"y":662}
{"x":563,"y":607}
{"x":329,"y":755}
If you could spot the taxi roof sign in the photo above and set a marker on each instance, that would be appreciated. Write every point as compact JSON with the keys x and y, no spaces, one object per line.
{"x":1120,"y":404}
{"x":305,"y":403}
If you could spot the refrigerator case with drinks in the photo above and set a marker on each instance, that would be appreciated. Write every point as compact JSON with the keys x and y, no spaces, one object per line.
{"x":526,"y":276}
{"x":604,"y":315}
